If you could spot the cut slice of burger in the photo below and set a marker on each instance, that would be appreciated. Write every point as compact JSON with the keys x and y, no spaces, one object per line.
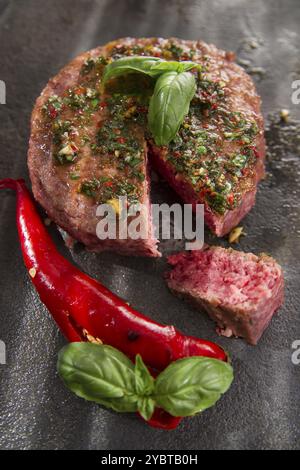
{"x":240,"y":291}
{"x":89,"y":146}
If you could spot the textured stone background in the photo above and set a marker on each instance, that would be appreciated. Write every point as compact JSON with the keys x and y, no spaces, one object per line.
{"x":262,"y":410}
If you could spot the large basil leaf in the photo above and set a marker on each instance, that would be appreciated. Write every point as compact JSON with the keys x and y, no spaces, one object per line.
{"x":191,"y":385}
{"x":170,"y":104}
{"x":152,"y":66}
{"x":174,"y":66}
{"x":130,"y":65}
{"x":99,"y":373}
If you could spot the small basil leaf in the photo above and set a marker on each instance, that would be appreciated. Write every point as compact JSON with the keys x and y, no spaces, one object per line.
{"x":170,"y":104}
{"x":99,"y":373}
{"x":130,"y":65}
{"x":144,"y":382}
{"x":190,"y":385}
{"x":146,"y":407}
{"x":174,"y":66}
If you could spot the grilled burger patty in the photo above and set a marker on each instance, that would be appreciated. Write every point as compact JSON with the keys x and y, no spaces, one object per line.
{"x":89,"y":146}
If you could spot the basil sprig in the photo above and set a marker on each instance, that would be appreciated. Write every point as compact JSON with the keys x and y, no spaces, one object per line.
{"x":173,"y":92}
{"x":102,"y":374}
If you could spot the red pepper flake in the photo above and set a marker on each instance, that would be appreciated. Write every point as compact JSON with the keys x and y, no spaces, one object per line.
{"x":103,"y":104}
{"x":53,"y":113}
{"x":108,"y":184}
{"x":79,"y":91}
{"x":142,"y":109}
{"x":121,"y":140}
{"x":230,"y":198}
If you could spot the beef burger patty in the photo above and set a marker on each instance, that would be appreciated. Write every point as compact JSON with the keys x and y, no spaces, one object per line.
{"x":89,"y":146}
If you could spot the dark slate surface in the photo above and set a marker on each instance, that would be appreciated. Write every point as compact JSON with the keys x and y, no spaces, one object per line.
{"x":262,"y":410}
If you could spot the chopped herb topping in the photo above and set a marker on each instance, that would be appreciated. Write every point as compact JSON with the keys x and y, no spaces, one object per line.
{"x":212,"y":150}
{"x":93,"y":63}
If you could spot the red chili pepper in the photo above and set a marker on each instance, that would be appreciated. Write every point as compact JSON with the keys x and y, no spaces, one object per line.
{"x":121,"y":140}
{"x":81,"y":305}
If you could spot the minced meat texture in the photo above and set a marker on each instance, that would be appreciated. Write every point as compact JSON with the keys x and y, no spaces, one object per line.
{"x":240,"y":291}
{"x":90,"y":146}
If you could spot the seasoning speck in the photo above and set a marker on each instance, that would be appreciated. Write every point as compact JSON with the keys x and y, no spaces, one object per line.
{"x":284,"y":115}
{"x":90,"y":338}
{"x":115,"y":205}
{"x":32,"y":272}
{"x":132,"y":335}
{"x":235,"y":234}
{"x":47,"y":221}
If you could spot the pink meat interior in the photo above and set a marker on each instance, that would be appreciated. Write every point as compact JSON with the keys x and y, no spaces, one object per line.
{"x":225,"y":276}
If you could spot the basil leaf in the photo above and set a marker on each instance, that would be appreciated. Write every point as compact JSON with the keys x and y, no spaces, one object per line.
{"x":170,"y":104}
{"x":191,"y":385}
{"x":106,"y":376}
{"x":144,"y":382}
{"x":146,"y":406}
{"x":99,"y":373}
{"x":129,"y":65}
{"x":174,"y":66}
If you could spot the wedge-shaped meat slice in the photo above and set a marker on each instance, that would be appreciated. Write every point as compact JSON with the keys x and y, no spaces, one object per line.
{"x":88,"y":148}
{"x":218,"y":156}
{"x":240,"y":291}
